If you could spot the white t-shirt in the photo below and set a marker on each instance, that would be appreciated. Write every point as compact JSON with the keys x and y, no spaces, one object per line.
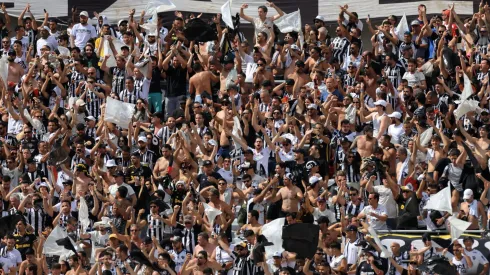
{"x":226,"y":175}
{"x":262,"y":159}
{"x":113,"y":189}
{"x":24,"y":40}
{"x":373,"y":221}
{"x":82,"y":34}
{"x":395,"y":132}
{"x":317,"y":213}
{"x":289,"y":156}
{"x":414,"y":78}
{"x":477,"y":258}
{"x":6,"y":264}
{"x":13,"y":256}
{"x":386,"y":199}
{"x":461,"y":266}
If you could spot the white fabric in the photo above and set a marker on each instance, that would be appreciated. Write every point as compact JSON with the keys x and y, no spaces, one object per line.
{"x":106,"y":50}
{"x":273,"y":232}
{"x":457,"y":227}
{"x":52,"y":248}
{"x":83,"y":218}
{"x":402,"y":27}
{"x":118,"y":112}
{"x":291,"y":22}
{"x":440,"y":201}
{"x":466,"y":105}
{"x":384,"y":252}
{"x":226,"y":14}
{"x":4,"y":69}
{"x":211,"y":213}
{"x":426,"y":136}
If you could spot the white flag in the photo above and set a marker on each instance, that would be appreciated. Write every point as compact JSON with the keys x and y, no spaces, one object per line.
{"x":384,"y":252}
{"x":466,"y":105}
{"x":118,"y":112}
{"x":226,"y":14}
{"x":83,"y":218}
{"x":4,"y":70}
{"x":155,"y":6}
{"x":426,"y":136}
{"x":402,"y":28}
{"x":458,"y":227}
{"x":273,"y":232}
{"x":440,"y":201}
{"x":52,"y":248}
{"x":291,"y":22}
{"x":211,"y":213}
{"x":106,"y":50}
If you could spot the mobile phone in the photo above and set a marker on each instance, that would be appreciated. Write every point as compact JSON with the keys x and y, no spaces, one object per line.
{"x":45,"y":11}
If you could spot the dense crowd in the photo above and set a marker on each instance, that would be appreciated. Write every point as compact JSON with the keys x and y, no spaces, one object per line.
{"x":331,"y":130}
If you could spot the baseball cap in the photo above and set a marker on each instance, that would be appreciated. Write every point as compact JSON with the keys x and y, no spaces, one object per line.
{"x":122,"y":21}
{"x":110,"y":163}
{"x":467,"y":194}
{"x":407,"y":187}
{"x":118,"y":174}
{"x":290,"y":82}
{"x":113,"y":236}
{"x":288,"y":176}
{"x":188,"y":218}
{"x":277,"y":254}
{"x":312,"y":106}
{"x":415,"y":23}
{"x":142,"y":138}
{"x":319,"y":18}
{"x":80,"y":102}
{"x":395,"y":115}
{"x":176,"y":239}
{"x":295,"y":47}
{"x":206,"y":163}
{"x":313,"y":180}
{"x":320,"y":199}
{"x":351,"y":227}
{"x":380,"y":102}
{"x":90,"y":118}
{"x":84,"y":13}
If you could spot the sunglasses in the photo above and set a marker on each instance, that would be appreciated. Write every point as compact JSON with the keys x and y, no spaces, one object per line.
{"x":260,"y":64}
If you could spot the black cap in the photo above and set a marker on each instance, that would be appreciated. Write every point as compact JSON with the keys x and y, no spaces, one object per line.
{"x":266,"y":83}
{"x":300,"y":150}
{"x":351,"y":227}
{"x":206,"y":163}
{"x":228,"y":59}
{"x":80,"y":126}
{"x":290,"y":82}
{"x":300,"y":63}
{"x":322,"y":219}
{"x":148,"y":240}
{"x":118,"y":174}
{"x":12,"y":52}
{"x":344,"y":139}
{"x":31,"y":160}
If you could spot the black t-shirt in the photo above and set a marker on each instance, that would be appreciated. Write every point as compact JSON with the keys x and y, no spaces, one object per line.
{"x":365,"y":268}
{"x":176,"y":81}
{"x":203,"y":180}
{"x":156,"y":77}
{"x":142,"y":171}
{"x":22,"y":243}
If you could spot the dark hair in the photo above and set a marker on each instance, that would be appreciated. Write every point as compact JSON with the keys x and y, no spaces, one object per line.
{"x":264,"y":8}
{"x":376,"y":195}
{"x":255,"y":214}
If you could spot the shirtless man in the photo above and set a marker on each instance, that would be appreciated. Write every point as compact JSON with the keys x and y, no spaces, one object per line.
{"x":203,"y":244}
{"x":389,"y":153}
{"x":290,"y":194}
{"x":15,"y":69}
{"x":261,"y":73}
{"x":315,"y":62}
{"x":229,"y":73}
{"x":76,"y":268}
{"x":197,"y":266}
{"x":365,"y":143}
{"x":379,"y":118}
{"x":264,"y":42}
{"x":216,"y":202}
{"x":295,"y":54}
{"x":434,"y":154}
{"x":81,"y":180}
{"x":472,"y":210}
{"x":201,"y":82}
{"x":299,"y":76}
{"x":161,"y":168}
{"x":253,"y":222}
{"x":370,"y":78}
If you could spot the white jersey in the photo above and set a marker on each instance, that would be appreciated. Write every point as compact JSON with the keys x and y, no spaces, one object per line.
{"x":461,"y":265}
{"x":227,"y":175}
{"x":477,"y":258}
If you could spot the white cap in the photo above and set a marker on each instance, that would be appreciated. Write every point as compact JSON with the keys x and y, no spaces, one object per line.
{"x":314,"y":179}
{"x":312,"y":106}
{"x":90,"y":118}
{"x":295,"y":47}
{"x":80,"y":102}
{"x":277,"y":254}
{"x":467,"y":194}
{"x":46,"y":28}
{"x":142,"y":138}
{"x":110,"y":163}
{"x":84,"y":13}
{"x":395,"y":115}
{"x":380,"y":102}
{"x":319,"y":17}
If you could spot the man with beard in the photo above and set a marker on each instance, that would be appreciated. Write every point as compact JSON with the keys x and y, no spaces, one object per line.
{"x":148,"y":157}
{"x":138,"y":170}
{"x":46,"y":42}
{"x":178,"y":253}
{"x":365,"y":143}
{"x":197,"y":266}
{"x":15,"y":69}
{"x":163,"y":165}
{"x":82,"y":32}
{"x":242,"y":263}
{"x":299,"y":76}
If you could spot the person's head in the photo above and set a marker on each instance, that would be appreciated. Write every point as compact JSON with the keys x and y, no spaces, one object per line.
{"x":373,"y":199}
{"x":72,"y":224}
{"x":202,"y":257}
{"x":262,"y":11}
{"x":129,"y":83}
{"x":241,"y":249}
{"x":203,"y":239}
{"x":468,"y":242}
{"x":368,"y":131}
{"x":19,"y":31}
{"x":453,"y":154}
{"x":83,"y":17}
{"x":334,"y":248}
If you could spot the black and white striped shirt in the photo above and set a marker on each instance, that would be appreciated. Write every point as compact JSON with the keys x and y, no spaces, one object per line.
{"x":129,"y":96}
{"x":190,"y":239}
{"x":155,"y":228}
{"x":349,"y":81}
{"x":118,"y":78}
{"x":142,"y":87}
{"x":340,"y":48}
{"x":264,"y":107}
{"x":75,"y":79}
{"x":36,"y":218}
{"x":164,"y":133}
{"x":395,"y":74}
{"x":148,"y":157}
{"x":91,"y":132}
